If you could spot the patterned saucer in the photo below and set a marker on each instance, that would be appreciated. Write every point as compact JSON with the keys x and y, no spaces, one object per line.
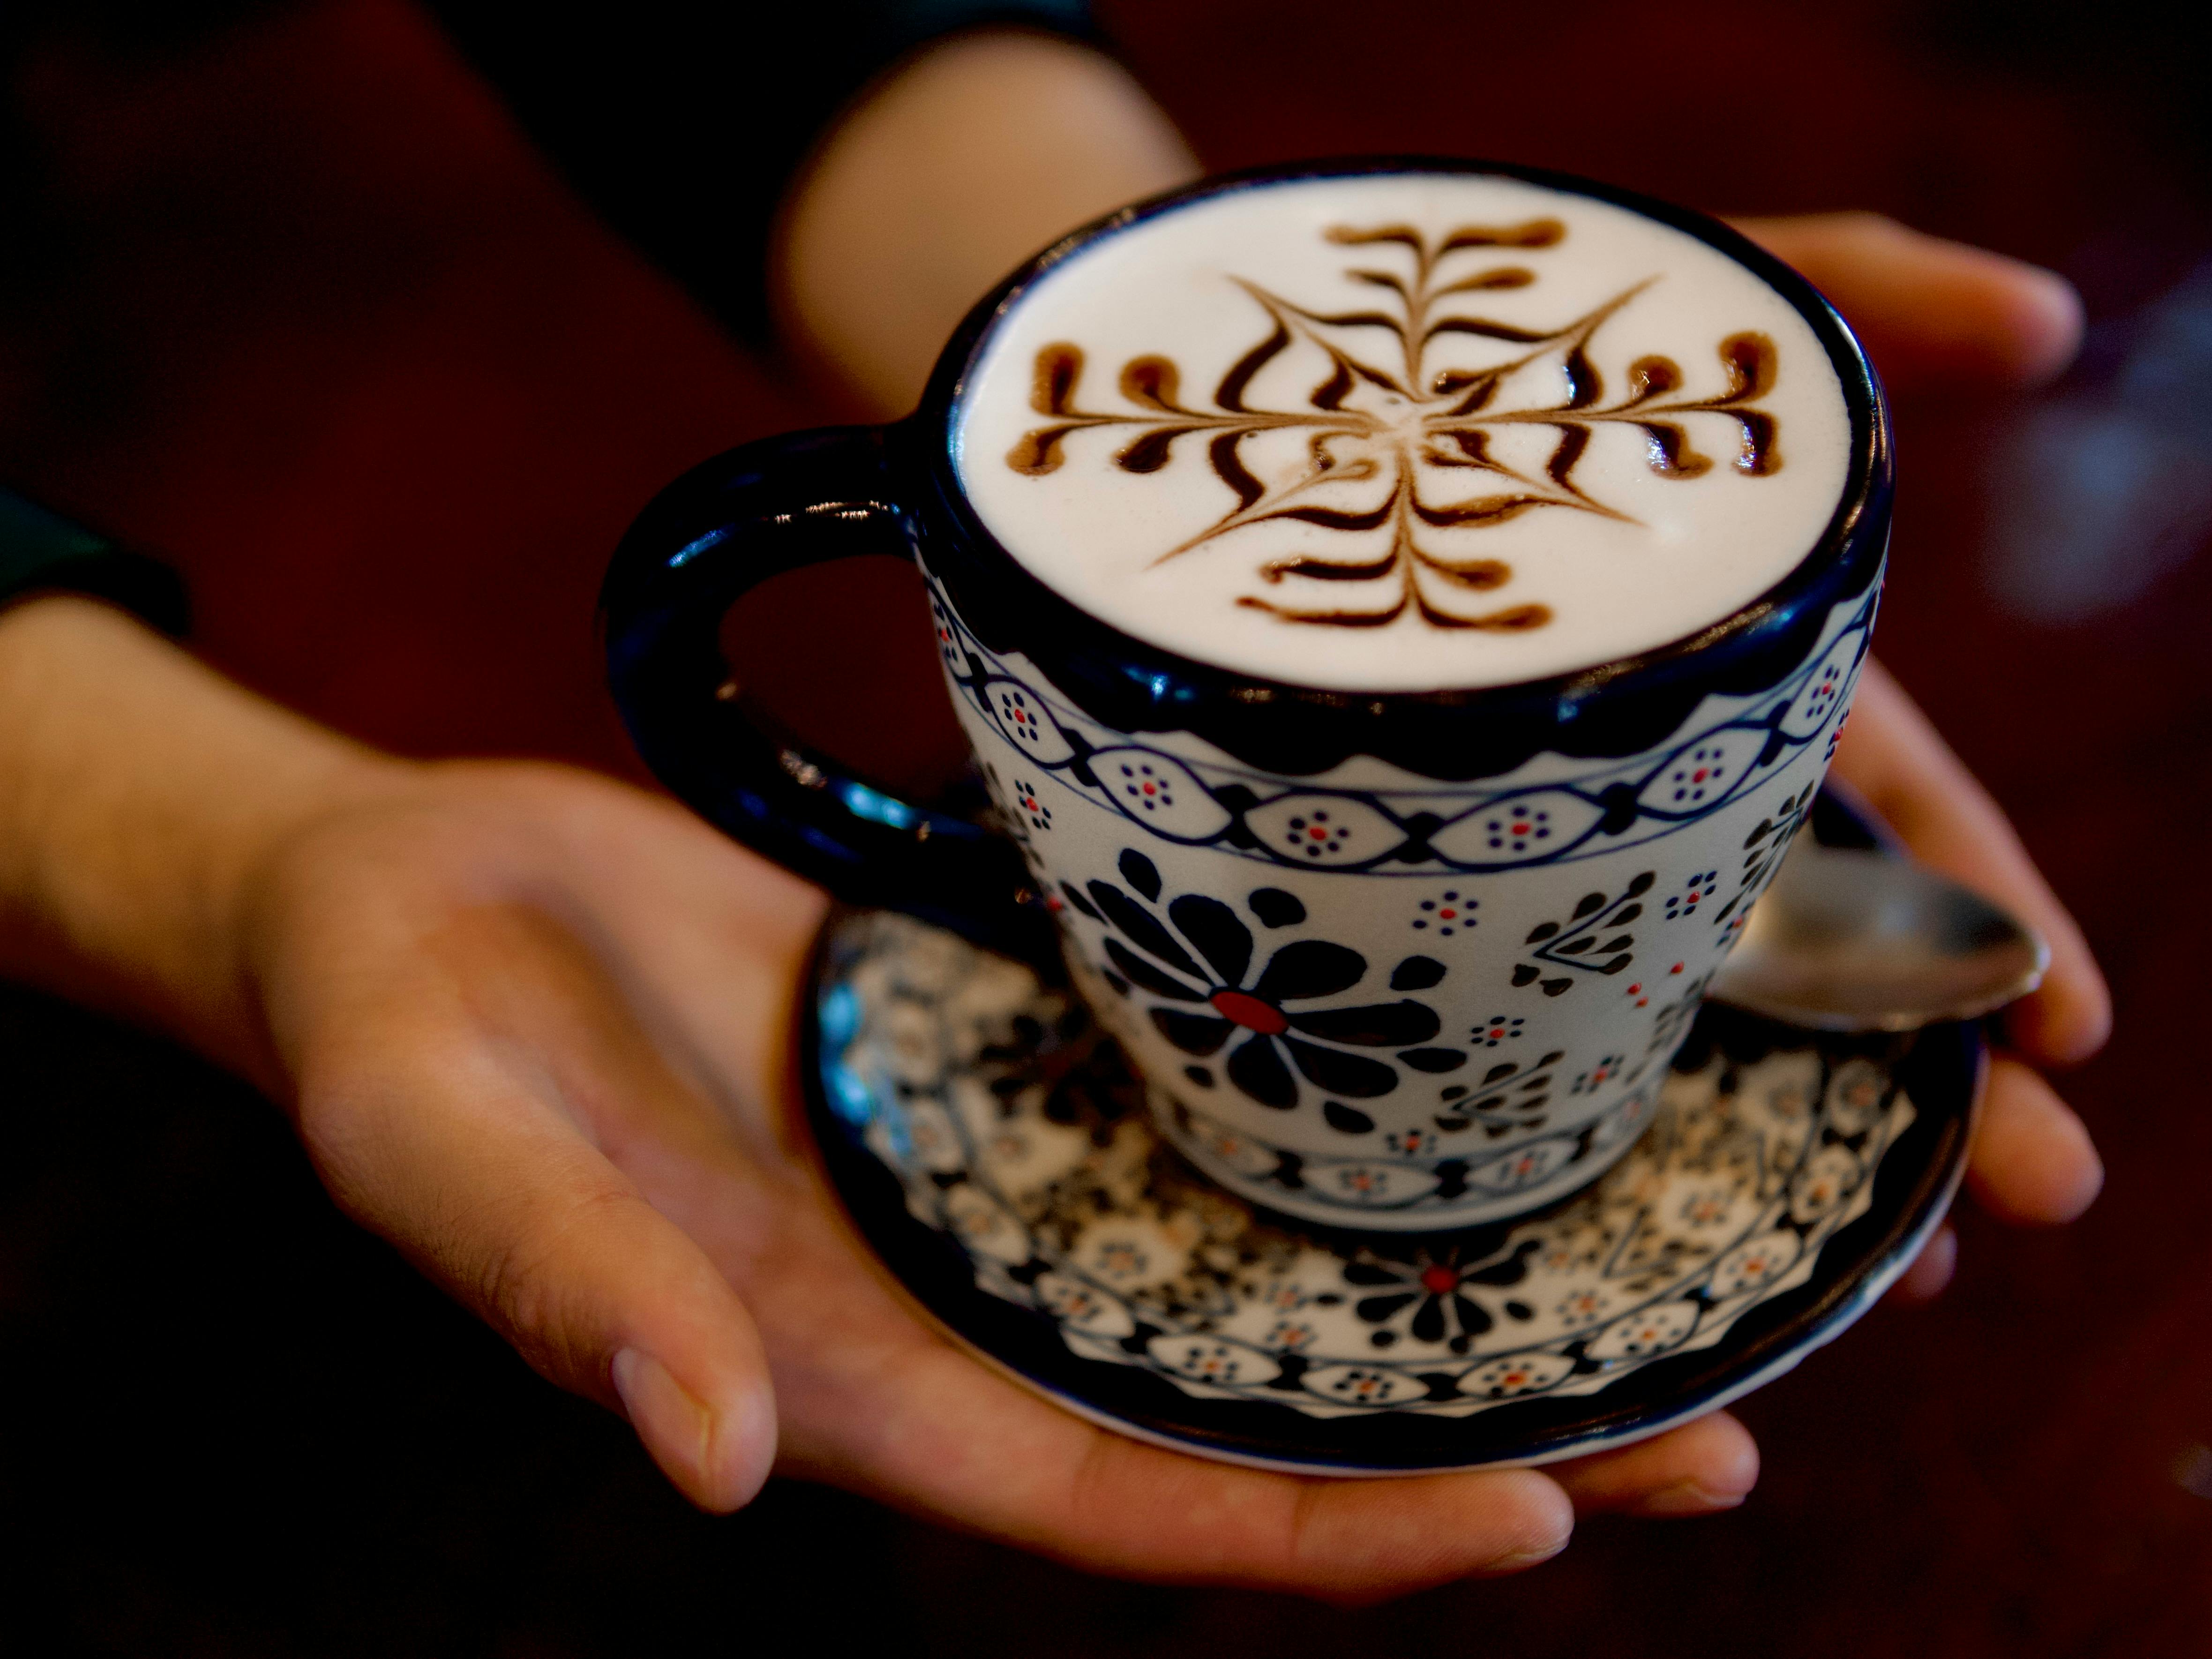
{"x":995,"y":1153}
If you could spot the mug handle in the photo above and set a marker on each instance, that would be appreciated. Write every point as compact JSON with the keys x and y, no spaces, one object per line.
{"x":718,"y":531}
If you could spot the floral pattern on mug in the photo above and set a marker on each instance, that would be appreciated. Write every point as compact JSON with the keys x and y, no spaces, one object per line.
{"x":1196,"y":958}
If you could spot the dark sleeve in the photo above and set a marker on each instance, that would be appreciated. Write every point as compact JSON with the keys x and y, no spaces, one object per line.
{"x":683,"y":121}
{"x":42,"y":552}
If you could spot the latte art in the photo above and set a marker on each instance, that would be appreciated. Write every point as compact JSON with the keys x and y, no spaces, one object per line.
{"x":1403,"y":433}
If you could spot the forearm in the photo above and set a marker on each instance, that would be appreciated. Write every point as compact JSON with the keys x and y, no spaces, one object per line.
{"x":978,"y":153}
{"x":138,"y":790}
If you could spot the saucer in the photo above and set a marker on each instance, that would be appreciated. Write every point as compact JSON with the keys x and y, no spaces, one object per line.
{"x":994,"y":1150}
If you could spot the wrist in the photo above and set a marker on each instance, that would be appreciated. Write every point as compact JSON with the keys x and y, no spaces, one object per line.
{"x":141,"y":795}
{"x":970,"y":158}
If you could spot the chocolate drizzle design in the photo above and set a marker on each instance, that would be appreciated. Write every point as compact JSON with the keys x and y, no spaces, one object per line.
{"x":1390,"y":420}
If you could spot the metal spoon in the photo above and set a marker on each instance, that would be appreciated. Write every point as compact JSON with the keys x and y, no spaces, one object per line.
{"x":1857,"y":941}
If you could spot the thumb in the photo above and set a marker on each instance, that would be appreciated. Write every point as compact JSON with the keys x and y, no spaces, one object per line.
{"x":492,"y":1192}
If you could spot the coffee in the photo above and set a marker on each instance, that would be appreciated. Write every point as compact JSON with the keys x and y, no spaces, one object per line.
{"x":1404,"y":432}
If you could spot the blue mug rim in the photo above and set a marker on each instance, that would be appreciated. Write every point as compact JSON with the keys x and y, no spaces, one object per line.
{"x":1612,"y":710}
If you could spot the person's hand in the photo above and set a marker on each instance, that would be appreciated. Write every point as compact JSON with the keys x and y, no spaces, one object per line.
{"x":976,"y":153}
{"x":2031,"y":1161}
{"x":1935,"y":316}
{"x":534,"y":1027}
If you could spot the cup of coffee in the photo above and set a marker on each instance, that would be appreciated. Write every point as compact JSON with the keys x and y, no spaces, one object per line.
{"x":1401,"y":612}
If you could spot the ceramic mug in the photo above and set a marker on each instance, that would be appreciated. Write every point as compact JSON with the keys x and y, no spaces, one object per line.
{"x":1407,"y":960}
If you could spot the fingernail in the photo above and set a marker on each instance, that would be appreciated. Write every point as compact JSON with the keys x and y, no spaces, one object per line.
{"x":1548,"y":1539}
{"x":709,"y":1459}
{"x":1689,"y":1497}
{"x":1521,"y":1560}
{"x":673,"y":1423}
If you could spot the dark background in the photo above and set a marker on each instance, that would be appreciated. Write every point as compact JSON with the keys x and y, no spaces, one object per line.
{"x":295,"y":306}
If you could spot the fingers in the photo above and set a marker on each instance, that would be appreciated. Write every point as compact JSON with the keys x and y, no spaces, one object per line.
{"x":1905,"y":772}
{"x":1701,"y":1468}
{"x":1933,"y":313}
{"x":1931,"y":1270}
{"x":891,"y":1411}
{"x":1348,"y":1541}
{"x":2031,"y":1161}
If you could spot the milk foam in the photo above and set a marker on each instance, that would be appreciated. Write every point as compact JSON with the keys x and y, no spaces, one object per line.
{"x":1617,"y":436}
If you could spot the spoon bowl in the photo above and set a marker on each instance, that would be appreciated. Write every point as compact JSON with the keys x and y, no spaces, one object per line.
{"x":1845,"y":940}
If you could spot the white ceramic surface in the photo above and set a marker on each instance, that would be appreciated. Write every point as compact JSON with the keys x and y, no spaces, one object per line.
{"x":1379,"y":999}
